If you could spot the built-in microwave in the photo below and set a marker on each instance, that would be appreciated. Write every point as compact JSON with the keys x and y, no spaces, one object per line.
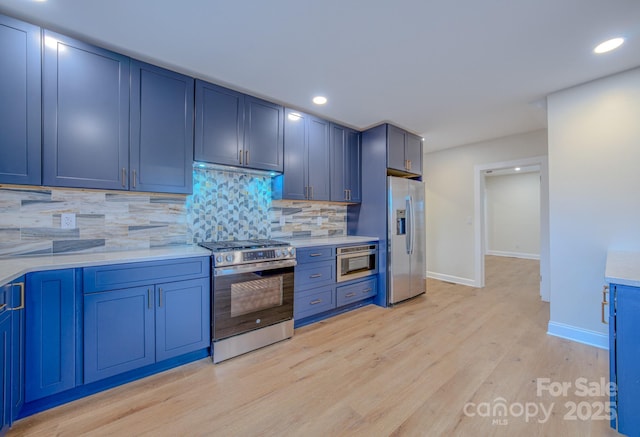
{"x":355,"y":262}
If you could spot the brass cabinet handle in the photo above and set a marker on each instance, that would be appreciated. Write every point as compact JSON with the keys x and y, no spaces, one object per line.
{"x":133,"y":177}
{"x":21,"y":285}
{"x":160,"y":297}
{"x":605,"y":290}
{"x":240,"y":156}
{"x":124,"y":177}
{"x":349,"y":294}
{"x":315,"y":275}
{"x":149,"y":299}
{"x":315,"y":302}
{"x":246,"y":157}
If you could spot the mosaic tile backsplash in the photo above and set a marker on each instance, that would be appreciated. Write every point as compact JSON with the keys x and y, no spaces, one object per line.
{"x":223,"y":206}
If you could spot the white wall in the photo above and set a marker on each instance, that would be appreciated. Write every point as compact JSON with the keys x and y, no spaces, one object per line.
{"x":513,"y":215}
{"x":450,"y":185}
{"x":594,"y":183}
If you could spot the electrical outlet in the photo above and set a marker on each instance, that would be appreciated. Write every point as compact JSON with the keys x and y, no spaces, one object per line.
{"x":282,"y":220}
{"x":319,"y":221}
{"x":67,"y":221}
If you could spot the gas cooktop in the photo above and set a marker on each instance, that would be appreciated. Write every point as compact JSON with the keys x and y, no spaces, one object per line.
{"x":235,"y":252}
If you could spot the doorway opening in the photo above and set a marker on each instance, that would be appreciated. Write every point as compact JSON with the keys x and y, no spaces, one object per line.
{"x":480,"y":228}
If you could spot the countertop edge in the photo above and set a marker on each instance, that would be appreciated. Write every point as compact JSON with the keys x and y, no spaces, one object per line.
{"x":11,"y":269}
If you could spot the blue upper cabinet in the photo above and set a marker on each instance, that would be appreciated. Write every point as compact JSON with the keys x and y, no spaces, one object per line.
{"x":219,"y":125}
{"x":161,"y":130}
{"x":20,"y":102}
{"x":404,"y":151}
{"x":238,"y":130}
{"x":346,"y":164}
{"x":263,"y":134}
{"x":86,"y":115}
{"x":307,"y":158}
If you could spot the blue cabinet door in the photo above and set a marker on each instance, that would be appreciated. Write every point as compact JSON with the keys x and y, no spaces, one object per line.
{"x":118,"y":331}
{"x":5,"y":371}
{"x":50,"y":354}
{"x":17,"y":300}
{"x":20,"y":102}
{"x":161,"y":130}
{"x":219,"y":124}
{"x":353,"y":165}
{"x":182,"y":317}
{"x":627,"y":349}
{"x":293,"y":183}
{"x":413,"y":153}
{"x":263,"y":135}
{"x":396,"y":139}
{"x":318,"y":159}
{"x":85,"y":115}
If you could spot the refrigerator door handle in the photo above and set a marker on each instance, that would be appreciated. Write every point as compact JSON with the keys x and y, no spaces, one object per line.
{"x":409,"y":235}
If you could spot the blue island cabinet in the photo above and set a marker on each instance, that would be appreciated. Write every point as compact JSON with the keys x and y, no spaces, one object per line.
{"x":624,"y":349}
{"x":20,"y":102}
{"x":50,"y":355}
{"x":133,"y":319}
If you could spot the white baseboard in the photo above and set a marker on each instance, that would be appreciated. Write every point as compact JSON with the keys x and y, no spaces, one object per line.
{"x":585,"y":336}
{"x":513,"y":254}
{"x":450,"y":278}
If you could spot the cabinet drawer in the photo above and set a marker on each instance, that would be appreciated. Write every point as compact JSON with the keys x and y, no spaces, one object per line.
{"x":313,"y":254}
{"x":314,"y":301}
{"x":119,"y":276}
{"x":315,"y":274}
{"x":347,"y":294}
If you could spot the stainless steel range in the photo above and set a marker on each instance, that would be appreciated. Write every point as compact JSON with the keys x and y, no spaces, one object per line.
{"x":252,"y":295}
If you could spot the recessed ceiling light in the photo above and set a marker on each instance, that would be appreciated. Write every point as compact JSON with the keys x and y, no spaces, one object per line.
{"x":319,"y":100}
{"x":609,"y":45}
{"x":517,"y":169}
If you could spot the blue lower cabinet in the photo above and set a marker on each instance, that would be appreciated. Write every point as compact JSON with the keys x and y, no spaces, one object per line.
{"x":310,"y":302}
{"x":118,"y":332}
{"x":18,"y":325}
{"x":182,"y":318}
{"x":348,"y":294}
{"x":131,"y":328}
{"x":5,"y":369}
{"x":50,"y":353}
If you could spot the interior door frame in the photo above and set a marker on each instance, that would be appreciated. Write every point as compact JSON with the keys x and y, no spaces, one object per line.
{"x":479,"y":222}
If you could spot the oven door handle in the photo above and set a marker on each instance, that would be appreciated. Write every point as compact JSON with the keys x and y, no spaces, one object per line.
{"x":253,"y":267}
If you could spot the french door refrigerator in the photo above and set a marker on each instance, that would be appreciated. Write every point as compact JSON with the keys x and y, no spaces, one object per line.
{"x":406,"y":233}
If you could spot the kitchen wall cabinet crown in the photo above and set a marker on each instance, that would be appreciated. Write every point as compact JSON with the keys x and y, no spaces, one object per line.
{"x":20,"y":102}
{"x":237,"y":129}
{"x":307,"y":158}
{"x":404,"y":151}
{"x":346,"y":164}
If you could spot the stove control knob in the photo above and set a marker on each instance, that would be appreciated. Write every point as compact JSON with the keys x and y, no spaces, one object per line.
{"x":219,"y":258}
{"x":229,"y":258}
{"x":292,"y":251}
{"x":278,"y":253}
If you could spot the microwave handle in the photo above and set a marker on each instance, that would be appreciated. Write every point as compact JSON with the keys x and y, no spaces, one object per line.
{"x":254,"y":267}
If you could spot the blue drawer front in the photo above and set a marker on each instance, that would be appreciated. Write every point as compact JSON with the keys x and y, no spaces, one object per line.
{"x":314,"y":301}
{"x":313,"y":254}
{"x":315,"y":274}
{"x":116,"y":276}
{"x":359,"y":291}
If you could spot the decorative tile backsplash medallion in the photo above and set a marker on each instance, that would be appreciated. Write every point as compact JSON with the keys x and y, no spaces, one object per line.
{"x":228,"y":205}
{"x":307,"y":219}
{"x":105,"y":220}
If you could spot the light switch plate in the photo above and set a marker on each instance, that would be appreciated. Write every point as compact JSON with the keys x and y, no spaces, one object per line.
{"x":319,"y":221}
{"x":282,"y":220}
{"x":67,"y":221}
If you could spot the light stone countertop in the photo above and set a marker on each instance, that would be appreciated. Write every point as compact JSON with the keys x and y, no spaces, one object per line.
{"x":12,"y":268}
{"x":623,"y":268}
{"x":327,"y":241}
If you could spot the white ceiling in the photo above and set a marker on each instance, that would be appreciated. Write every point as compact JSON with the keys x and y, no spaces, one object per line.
{"x":453,"y":71}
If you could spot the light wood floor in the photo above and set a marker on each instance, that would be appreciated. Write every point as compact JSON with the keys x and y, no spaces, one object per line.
{"x":409,"y":370}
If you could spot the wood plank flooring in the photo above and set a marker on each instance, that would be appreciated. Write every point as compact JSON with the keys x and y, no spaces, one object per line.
{"x":412,"y":370}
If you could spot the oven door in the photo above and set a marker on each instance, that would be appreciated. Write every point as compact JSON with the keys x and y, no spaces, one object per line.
{"x":252,"y":296}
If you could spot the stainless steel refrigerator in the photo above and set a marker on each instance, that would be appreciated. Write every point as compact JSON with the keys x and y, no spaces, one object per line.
{"x":406,"y":232}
